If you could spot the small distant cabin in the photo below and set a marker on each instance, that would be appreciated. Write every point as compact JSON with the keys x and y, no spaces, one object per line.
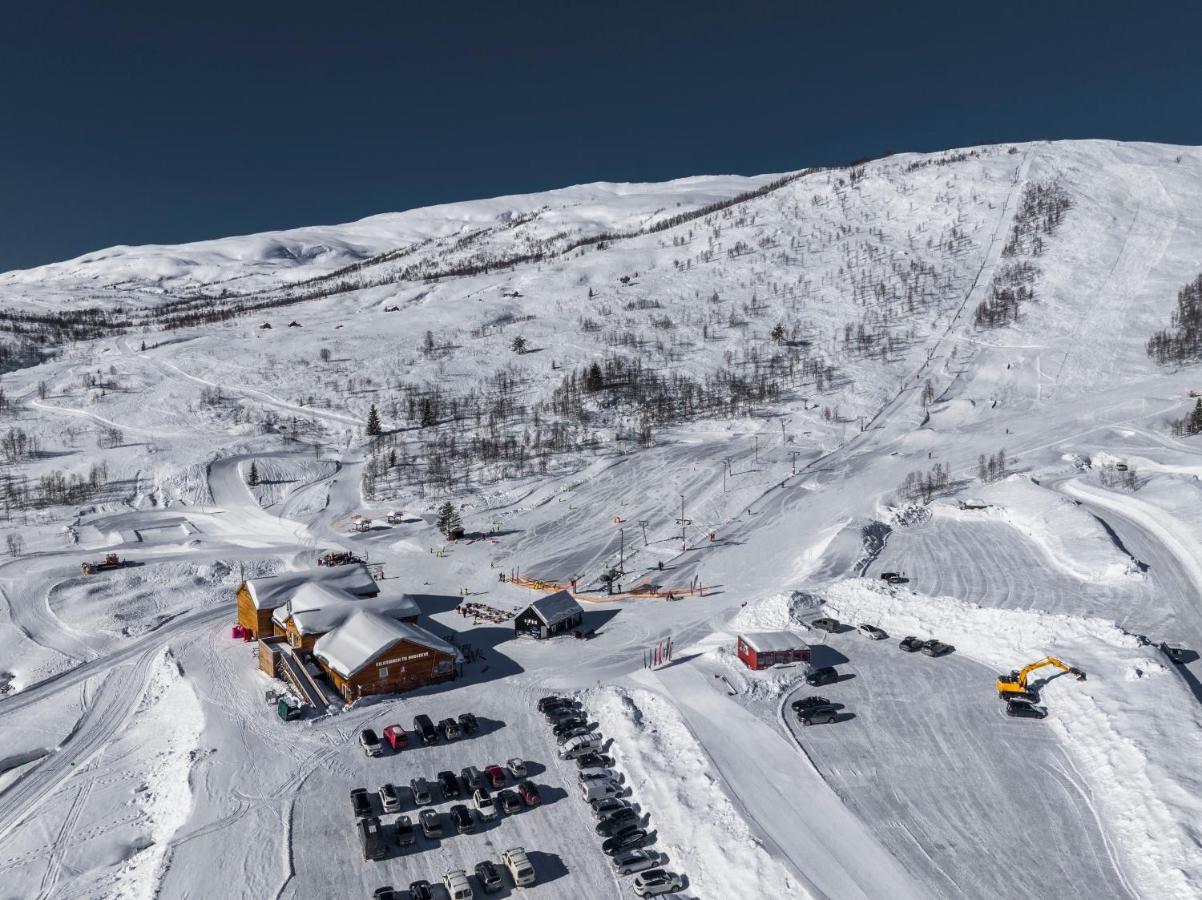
{"x":372,"y":653}
{"x":259,"y":598}
{"x":765,"y":649}
{"x":557,"y":613}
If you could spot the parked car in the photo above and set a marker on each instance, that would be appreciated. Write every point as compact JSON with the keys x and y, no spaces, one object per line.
{"x":424,"y":728}
{"x":826,"y":624}
{"x":606,"y":806}
{"x":936,"y":648}
{"x":893,"y":577}
{"x":595,"y":790}
{"x":406,"y":834}
{"x":630,"y":861}
{"x":371,"y":838}
{"x":569,"y":725}
{"x":396,"y":736}
{"x":821,"y":676}
{"x":580,"y":745}
{"x":818,"y":715}
{"x":456,"y":884}
{"x":910,"y":644}
{"x":360,"y":803}
{"x":596,"y":774}
{"x":421,"y":791}
{"x":431,"y":823}
{"x":871,"y":632}
{"x":551,"y":701}
{"x":449,"y":785}
{"x":808,"y":703}
{"x":468,"y":723}
{"x":528,"y":791}
{"x":462,"y":817}
{"x":594,"y":760}
{"x":655,"y":882}
{"x":489,"y":876}
{"x":389,"y":798}
{"x":558,"y":714}
{"x":370,"y":743}
{"x":496,"y":775}
{"x":1025,"y":709}
{"x":624,"y":840}
{"x":516,"y":767}
{"x":449,"y":729}
{"x":421,"y":890}
{"x":619,"y":821}
{"x":520,"y":870}
{"x":508,"y":800}
{"x":473,"y":778}
{"x":567,"y":735}
{"x":388,"y":892}
{"x":484,"y":804}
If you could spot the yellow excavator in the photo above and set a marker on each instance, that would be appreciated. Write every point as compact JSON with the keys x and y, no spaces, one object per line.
{"x":1014,"y":685}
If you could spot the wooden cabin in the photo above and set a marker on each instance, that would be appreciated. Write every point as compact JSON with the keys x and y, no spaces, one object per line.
{"x":259,"y":598}
{"x":557,"y":613}
{"x":372,"y":653}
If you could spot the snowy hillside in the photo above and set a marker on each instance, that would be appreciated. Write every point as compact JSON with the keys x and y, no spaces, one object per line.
{"x":757,"y":394}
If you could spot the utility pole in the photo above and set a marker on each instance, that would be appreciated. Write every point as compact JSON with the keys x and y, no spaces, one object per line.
{"x":643,"y":523}
{"x":795,"y":452}
{"x":622,"y":551}
{"x":757,"y":449}
{"x":725,"y":469}
{"x":683,"y":523}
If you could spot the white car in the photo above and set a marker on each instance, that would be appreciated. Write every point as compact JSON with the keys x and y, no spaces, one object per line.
{"x":595,"y":790}
{"x":520,"y":870}
{"x":630,"y":861}
{"x":871,"y":632}
{"x":484,"y":805}
{"x":655,"y":882}
{"x":457,"y":885}
{"x":389,"y":798}
{"x":516,"y":767}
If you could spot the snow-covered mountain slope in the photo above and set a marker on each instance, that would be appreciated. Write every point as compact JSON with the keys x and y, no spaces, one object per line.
{"x":755,"y":393}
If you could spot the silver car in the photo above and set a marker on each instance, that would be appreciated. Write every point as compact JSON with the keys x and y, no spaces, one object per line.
{"x":630,"y":861}
{"x":871,"y":632}
{"x":655,"y":882}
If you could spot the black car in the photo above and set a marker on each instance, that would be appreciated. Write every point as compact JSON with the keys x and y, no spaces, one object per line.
{"x":508,"y":800}
{"x":421,"y":890}
{"x":548,"y":702}
{"x":425,"y":730}
{"x":818,"y":715}
{"x":462,"y":817}
{"x":489,"y":876}
{"x":827,"y":624}
{"x":449,"y":785}
{"x":1023,"y":709}
{"x":808,"y":703}
{"x":361,"y":803}
{"x":821,"y":676}
{"x":936,"y":648}
{"x":388,"y":892}
{"x":910,"y":644}
{"x":406,"y":834}
{"x":618,"y":820}
{"x":468,"y":723}
{"x":594,"y":761}
{"x":563,"y":714}
{"x":575,"y":731}
{"x":624,"y":840}
{"x":449,"y":729}
{"x":569,"y":725}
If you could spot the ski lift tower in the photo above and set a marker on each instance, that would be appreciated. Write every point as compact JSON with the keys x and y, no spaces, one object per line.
{"x":683,"y":523}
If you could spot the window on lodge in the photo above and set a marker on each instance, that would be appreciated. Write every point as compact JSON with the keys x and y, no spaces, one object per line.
{"x":383,"y":671}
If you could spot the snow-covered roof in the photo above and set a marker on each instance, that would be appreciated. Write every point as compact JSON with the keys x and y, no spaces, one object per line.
{"x":771,"y":641}
{"x":273,"y":591}
{"x":316,"y":608}
{"x":555,"y":607}
{"x":364,"y":635}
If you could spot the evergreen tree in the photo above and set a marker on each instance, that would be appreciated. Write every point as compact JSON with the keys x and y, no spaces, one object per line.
{"x":449,"y":522}
{"x":253,"y":478}
{"x":373,"y":422}
{"x":519,"y":344}
{"x":778,"y":333}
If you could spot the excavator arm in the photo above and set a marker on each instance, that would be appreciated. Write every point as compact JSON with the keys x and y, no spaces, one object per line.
{"x":1015,"y":684}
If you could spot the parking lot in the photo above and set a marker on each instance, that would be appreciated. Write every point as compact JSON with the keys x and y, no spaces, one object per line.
{"x":557,"y":834}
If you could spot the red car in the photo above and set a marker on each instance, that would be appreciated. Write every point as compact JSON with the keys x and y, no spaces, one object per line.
{"x":397,"y":737}
{"x":496,"y":775}
{"x":529,"y":793}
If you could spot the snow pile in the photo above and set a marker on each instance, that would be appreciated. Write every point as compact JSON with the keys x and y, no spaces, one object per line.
{"x":668,"y":773}
{"x":169,"y":724}
{"x":1073,"y":539}
{"x":1138,"y":763}
{"x":777,"y":612}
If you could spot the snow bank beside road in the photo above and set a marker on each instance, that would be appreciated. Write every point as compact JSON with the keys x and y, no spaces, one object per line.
{"x":697,"y":825}
{"x":1135,"y":745}
{"x":1072,"y":538}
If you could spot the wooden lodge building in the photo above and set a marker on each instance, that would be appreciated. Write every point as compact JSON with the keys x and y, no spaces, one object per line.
{"x":335,"y":623}
{"x":557,"y":613}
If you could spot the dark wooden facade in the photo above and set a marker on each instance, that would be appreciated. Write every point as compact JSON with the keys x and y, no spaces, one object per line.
{"x":401,"y":666}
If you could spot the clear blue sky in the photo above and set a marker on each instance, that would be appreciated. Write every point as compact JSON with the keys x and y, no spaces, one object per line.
{"x":138,"y":122}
